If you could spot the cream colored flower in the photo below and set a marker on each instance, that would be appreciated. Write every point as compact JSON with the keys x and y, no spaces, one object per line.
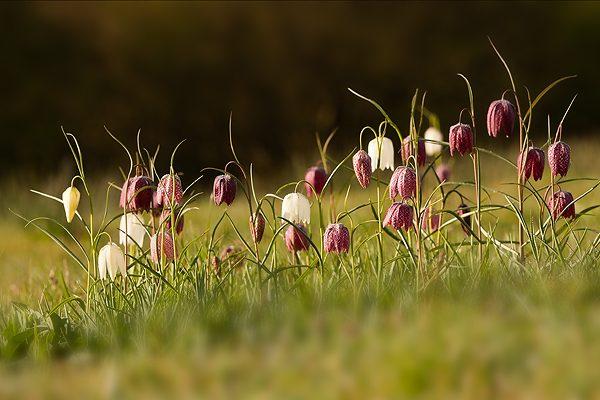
{"x":131,"y":230}
{"x":296,"y":208}
{"x":70,"y":198}
{"x":381,"y":151}
{"x":112,"y":260}
{"x":434,"y":134}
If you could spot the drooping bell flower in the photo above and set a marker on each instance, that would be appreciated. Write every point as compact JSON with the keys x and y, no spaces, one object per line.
{"x":399,"y":216}
{"x":257,"y":226}
{"x":131,"y":230}
{"x":430,"y":222}
{"x":381,"y":146}
{"x":137,"y":194}
{"x":112,"y":260}
{"x":465,"y":220}
{"x":403,"y":183}
{"x":336,"y":239}
{"x":559,"y":158}
{"x":461,"y":139}
{"x":224,"y":189}
{"x":169,"y":191}
{"x":166,"y":219}
{"x":295,"y":208}
{"x":362,"y":168}
{"x":408,"y":150}
{"x":70,"y":199}
{"x":443,"y":172}
{"x":562,"y":205}
{"x":296,"y":239}
{"x":162,"y":247}
{"x":316,"y":178}
{"x":432,"y":138}
{"x":500,"y":118}
{"x":531,"y":163}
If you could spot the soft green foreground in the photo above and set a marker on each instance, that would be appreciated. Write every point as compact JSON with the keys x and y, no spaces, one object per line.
{"x":481,"y":331}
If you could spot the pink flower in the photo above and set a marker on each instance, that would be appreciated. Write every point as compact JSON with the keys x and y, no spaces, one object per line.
{"x":559,"y":158}
{"x":336,"y":239}
{"x":165,"y":221}
{"x":443,"y":172}
{"x":500,"y":118}
{"x":296,"y":239}
{"x":399,"y":216}
{"x":224,"y":189}
{"x":408,"y":149}
{"x":362,"y":168}
{"x":257,"y":227}
{"x":430,"y":223}
{"x":136,"y":194}
{"x":317,"y":177}
{"x":162,"y":246}
{"x":169,"y":191}
{"x":562,"y":205}
{"x":533,"y":165}
{"x":461,"y":139}
{"x":403,"y":183}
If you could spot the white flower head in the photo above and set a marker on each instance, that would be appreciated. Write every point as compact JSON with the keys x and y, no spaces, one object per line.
{"x":131,"y":230}
{"x":381,"y":146}
{"x":433,"y":149}
{"x":70,"y":198}
{"x":295,"y":208}
{"x":112,"y":260}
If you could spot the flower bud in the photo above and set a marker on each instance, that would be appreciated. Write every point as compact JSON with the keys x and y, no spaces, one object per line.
{"x":257,"y":226}
{"x":166,"y":219}
{"x":432,"y":137}
{"x":559,"y":158}
{"x":562,"y":205}
{"x":531,"y":163}
{"x":362,"y":168}
{"x":224,"y":189}
{"x":465,"y":220}
{"x":137,"y":194}
{"x":399,"y":216}
{"x":336,"y":239}
{"x":295,"y":208}
{"x":131,"y":230}
{"x":70,"y":199}
{"x":112,"y":260}
{"x":408,"y":150}
{"x":381,"y":146}
{"x":403,"y":183}
{"x":500,"y":118}
{"x":317,"y":177}
{"x":429,"y":222}
{"x":296,"y":239}
{"x":443,"y":172}
{"x":169,"y":191}
{"x":162,"y":247}
{"x":461,"y":139}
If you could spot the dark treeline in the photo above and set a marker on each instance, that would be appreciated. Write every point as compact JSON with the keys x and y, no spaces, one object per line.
{"x":175,"y":71}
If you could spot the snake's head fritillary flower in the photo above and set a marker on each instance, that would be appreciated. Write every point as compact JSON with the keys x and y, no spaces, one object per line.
{"x":112,"y":260}
{"x":166,"y":219}
{"x":162,"y":247}
{"x":70,"y":199}
{"x":465,"y":220}
{"x":408,"y":150}
{"x":399,"y":216}
{"x":315,"y":177}
{"x":131,"y":230}
{"x":559,"y":158}
{"x":403,"y":183}
{"x":169,"y":192}
{"x":381,"y":151}
{"x":137,"y":194}
{"x":461,"y":139}
{"x":430,"y":222}
{"x":500,"y":118}
{"x":531,"y":163}
{"x":257,"y":226}
{"x":296,"y":239}
{"x":362,"y":168}
{"x":295,"y":208}
{"x":443,"y":172}
{"x":562,"y":205}
{"x":224,"y":189}
{"x":336,"y":239}
{"x":432,"y":138}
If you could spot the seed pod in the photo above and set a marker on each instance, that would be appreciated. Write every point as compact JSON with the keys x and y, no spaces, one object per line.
{"x":296,"y":239}
{"x":169,"y":191}
{"x":317,"y":177}
{"x":562,"y":205}
{"x":224,"y":189}
{"x":257,"y":227}
{"x":362,"y":168}
{"x":531,"y":163}
{"x":500,"y":118}
{"x":165,"y":221}
{"x":443,"y":172}
{"x":399,"y":216}
{"x":162,"y":246}
{"x":403,"y":183}
{"x":465,"y":220}
{"x":461,"y":139}
{"x":430,"y":222}
{"x":336,"y":239}
{"x":559,"y":158}
{"x":408,"y":150}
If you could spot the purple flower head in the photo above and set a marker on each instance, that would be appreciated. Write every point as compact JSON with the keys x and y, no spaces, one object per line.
{"x":257,"y":226}
{"x":429,"y":222}
{"x":461,"y":139}
{"x":403,"y":183}
{"x":532,"y":164}
{"x":500,"y":118}
{"x":362,"y":168}
{"x":224,"y":189}
{"x":169,"y":190}
{"x":336,"y":239}
{"x":296,"y":239}
{"x":559,"y":158}
{"x":315,"y":176}
{"x":162,"y":246}
{"x":408,"y":149}
{"x":166,"y":219}
{"x":562,"y":205}
{"x":399,"y":216}
{"x":443,"y":172}
{"x":136,"y":194}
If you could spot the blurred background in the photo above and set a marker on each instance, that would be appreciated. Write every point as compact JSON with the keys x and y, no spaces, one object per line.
{"x":176,"y":70}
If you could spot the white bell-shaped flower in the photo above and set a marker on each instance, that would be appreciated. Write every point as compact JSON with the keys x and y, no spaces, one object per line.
{"x":70,"y":198}
{"x":131,"y":230}
{"x":433,"y":149}
{"x":296,"y":208}
{"x":112,"y":260}
{"x":381,"y":151}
